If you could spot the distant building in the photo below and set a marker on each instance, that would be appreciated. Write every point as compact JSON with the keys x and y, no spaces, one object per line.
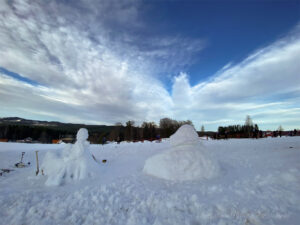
{"x":67,"y":139}
{"x":3,"y":140}
{"x":28,"y":140}
{"x":55,"y":141}
{"x":268,"y":133}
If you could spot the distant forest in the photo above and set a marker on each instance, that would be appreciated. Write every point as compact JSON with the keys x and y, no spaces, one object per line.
{"x":14,"y":129}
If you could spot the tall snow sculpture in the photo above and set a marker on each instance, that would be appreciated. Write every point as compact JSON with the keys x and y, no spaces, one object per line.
{"x":74,"y":163}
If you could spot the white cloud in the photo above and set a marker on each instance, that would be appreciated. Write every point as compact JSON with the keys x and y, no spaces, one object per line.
{"x":182,"y":93}
{"x":251,"y":87}
{"x":89,"y":72}
{"x":78,"y":77}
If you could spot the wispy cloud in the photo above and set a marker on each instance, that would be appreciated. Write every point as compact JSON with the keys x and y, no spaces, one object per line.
{"x":250,"y":87}
{"x":93,"y":63}
{"x":70,"y":51}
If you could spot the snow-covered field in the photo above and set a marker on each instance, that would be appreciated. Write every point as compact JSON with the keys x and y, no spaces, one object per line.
{"x":258,"y":183}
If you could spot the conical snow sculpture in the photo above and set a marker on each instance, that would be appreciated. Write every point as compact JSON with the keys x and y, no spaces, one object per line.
{"x":184,"y":160}
{"x":186,"y":134}
{"x":74,"y":163}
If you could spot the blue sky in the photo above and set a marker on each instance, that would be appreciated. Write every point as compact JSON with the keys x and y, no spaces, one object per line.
{"x":102,"y":62}
{"x":231,"y":29}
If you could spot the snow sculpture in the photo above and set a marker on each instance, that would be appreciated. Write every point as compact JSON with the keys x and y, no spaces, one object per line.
{"x":186,"y":134}
{"x":74,"y":163}
{"x":184,"y":160}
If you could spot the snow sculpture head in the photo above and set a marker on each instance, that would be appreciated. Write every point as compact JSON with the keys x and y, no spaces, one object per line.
{"x":186,"y":134}
{"x":80,"y":147}
{"x":82,"y":135}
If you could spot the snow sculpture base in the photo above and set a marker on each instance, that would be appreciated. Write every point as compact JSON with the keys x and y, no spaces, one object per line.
{"x":74,"y":163}
{"x":184,"y":161}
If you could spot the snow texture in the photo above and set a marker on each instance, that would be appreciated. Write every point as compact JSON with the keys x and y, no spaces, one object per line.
{"x":74,"y":163}
{"x":259,"y":184}
{"x":184,"y":161}
{"x":180,"y":164}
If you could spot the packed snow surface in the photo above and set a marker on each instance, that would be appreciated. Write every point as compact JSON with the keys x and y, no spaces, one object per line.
{"x":74,"y":163}
{"x":258,"y":184}
{"x":181,"y":163}
{"x":186,"y":134}
{"x":184,"y":160}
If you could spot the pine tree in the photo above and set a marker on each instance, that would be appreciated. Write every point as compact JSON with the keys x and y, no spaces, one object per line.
{"x":280,"y":128}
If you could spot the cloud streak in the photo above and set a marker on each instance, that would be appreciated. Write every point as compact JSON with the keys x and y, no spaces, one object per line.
{"x":91,"y":66}
{"x":76,"y":73}
{"x":251,"y":87}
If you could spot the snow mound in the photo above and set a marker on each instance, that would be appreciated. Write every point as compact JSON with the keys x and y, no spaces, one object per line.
{"x":181,"y":164}
{"x":74,"y":163}
{"x":186,"y":134}
{"x":184,"y":160}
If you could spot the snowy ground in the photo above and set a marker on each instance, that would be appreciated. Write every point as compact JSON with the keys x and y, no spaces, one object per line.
{"x":259,"y":183}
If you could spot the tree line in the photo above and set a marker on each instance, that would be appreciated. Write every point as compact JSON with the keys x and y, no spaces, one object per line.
{"x":119,"y":132}
{"x":146,"y":131}
{"x":249,"y":129}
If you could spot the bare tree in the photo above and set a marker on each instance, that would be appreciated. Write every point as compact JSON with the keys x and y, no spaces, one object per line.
{"x":149,"y":130}
{"x":248,"y":121}
{"x":129,"y":130}
{"x":248,"y":125}
{"x":202,"y":129}
{"x":169,"y":126}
